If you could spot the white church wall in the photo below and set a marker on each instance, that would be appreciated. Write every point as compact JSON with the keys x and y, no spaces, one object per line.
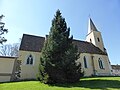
{"x":6,"y":68}
{"x":93,"y":67}
{"x":5,"y":78}
{"x":106,"y":70}
{"x":90,"y":38}
{"x":29,"y":71}
{"x":88,"y":71}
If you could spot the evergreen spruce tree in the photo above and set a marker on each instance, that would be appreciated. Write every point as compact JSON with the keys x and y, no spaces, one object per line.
{"x":58,"y":57}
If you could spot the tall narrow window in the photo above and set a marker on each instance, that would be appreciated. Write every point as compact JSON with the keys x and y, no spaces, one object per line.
{"x":30,"y":59}
{"x":98,"y":39}
{"x":85,"y":62}
{"x":100,"y":64}
{"x":90,"y":40}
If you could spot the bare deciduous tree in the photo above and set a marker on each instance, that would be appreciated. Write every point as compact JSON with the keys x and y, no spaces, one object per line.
{"x":9,"y":50}
{"x":2,"y":30}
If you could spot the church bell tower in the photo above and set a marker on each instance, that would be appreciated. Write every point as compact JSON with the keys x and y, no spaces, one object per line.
{"x":94,"y":36}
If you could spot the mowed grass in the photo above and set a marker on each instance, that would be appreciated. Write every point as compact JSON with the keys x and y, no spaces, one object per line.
{"x":97,"y":83}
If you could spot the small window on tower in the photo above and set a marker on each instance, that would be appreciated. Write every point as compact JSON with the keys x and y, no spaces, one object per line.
{"x":98,"y":39}
{"x":90,"y":40}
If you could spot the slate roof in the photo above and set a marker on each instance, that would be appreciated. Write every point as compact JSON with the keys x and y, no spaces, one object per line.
{"x":32,"y":43}
{"x":116,"y":67}
{"x":35,"y":43}
{"x":87,"y":47}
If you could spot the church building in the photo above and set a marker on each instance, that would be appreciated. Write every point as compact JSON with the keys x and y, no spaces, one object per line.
{"x":93,"y":55}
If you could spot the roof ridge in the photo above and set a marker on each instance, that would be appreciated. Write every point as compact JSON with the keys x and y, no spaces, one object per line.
{"x":32,"y":35}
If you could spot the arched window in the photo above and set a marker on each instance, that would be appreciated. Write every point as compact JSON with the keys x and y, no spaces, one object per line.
{"x":85,"y":62}
{"x":30,"y":59}
{"x":100,"y":64}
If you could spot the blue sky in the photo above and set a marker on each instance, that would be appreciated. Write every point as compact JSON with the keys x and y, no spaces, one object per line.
{"x":35,"y":16}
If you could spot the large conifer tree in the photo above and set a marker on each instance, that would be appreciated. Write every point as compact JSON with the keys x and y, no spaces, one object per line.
{"x":59,"y":55}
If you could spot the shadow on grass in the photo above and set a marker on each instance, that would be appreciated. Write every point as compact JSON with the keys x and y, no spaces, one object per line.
{"x":93,"y":84}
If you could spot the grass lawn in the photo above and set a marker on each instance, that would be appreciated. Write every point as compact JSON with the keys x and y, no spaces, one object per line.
{"x":99,"y":83}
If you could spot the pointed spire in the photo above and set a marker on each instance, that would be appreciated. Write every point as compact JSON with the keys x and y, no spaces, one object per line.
{"x":91,"y":26}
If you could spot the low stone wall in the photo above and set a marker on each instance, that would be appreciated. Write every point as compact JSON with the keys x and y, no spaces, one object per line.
{"x":6,"y":68}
